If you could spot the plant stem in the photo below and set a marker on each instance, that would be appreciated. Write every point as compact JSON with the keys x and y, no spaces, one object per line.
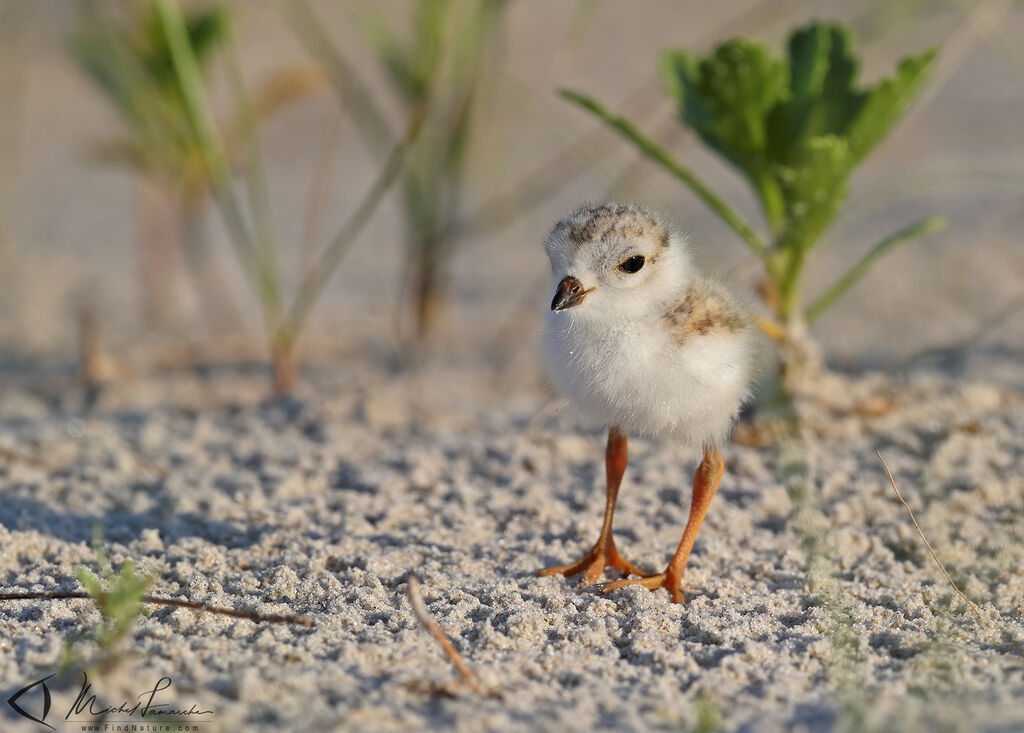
{"x":282,"y":357}
{"x":191,"y":84}
{"x":320,"y":273}
{"x":771,"y":199}
{"x":419,"y":609}
{"x":159,"y":601}
{"x":970,"y":604}
{"x":354,"y":96}
{"x":658,"y":154}
{"x":256,"y":180}
{"x":786,"y":272}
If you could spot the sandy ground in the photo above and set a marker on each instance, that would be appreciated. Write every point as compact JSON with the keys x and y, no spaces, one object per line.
{"x":326,"y":504}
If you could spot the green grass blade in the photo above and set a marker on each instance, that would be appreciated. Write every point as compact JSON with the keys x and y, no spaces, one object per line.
{"x":190,"y":80}
{"x":187,"y":72}
{"x":319,"y":274}
{"x":919,"y":228}
{"x":101,"y":56}
{"x":658,"y":154}
{"x":356,"y":98}
{"x":256,"y":183}
{"x":398,"y":58}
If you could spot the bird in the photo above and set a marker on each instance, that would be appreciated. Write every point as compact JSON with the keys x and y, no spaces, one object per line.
{"x":643,"y":343}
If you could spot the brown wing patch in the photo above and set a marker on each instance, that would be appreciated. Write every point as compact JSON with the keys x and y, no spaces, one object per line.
{"x":704,"y":309}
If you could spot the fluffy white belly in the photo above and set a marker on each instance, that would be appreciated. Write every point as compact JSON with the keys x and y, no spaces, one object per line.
{"x":636,"y":377}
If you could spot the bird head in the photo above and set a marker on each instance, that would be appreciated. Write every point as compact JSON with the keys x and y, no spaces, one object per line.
{"x":613,"y":261}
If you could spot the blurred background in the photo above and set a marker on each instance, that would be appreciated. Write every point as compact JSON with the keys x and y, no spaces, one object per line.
{"x":113,"y":247}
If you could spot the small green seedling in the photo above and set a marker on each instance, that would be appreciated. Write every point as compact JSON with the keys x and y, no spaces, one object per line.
{"x":119,"y":597}
{"x":708,"y":713}
{"x":795,"y":128}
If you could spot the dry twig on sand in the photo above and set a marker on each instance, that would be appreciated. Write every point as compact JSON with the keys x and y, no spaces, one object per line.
{"x":419,"y":609}
{"x":297,"y":618}
{"x":970,"y":604}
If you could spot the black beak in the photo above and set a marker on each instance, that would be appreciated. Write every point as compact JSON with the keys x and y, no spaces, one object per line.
{"x":570,"y":292}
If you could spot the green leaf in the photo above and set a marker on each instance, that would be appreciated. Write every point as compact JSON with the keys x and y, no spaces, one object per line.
{"x":207,"y":30}
{"x":679,"y":70}
{"x":822,"y":98}
{"x":90,"y":582}
{"x":727,"y":96}
{"x":103,"y":56}
{"x":919,"y":228}
{"x":808,"y":61}
{"x":429,"y":27}
{"x":411,"y":64}
{"x":120,"y":604}
{"x":839,"y":95}
{"x":886,"y":103}
{"x":125,"y":596}
{"x":813,"y":187}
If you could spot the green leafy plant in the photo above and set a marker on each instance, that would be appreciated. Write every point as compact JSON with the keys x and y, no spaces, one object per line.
{"x":708,"y":713}
{"x":119,"y":597}
{"x":795,"y":128}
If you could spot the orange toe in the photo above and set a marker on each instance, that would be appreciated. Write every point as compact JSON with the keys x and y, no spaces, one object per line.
{"x":593,"y":564}
{"x":651,"y":582}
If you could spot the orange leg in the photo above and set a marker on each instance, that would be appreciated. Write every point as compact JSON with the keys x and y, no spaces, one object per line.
{"x":705,"y":484}
{"x":604,"y":553}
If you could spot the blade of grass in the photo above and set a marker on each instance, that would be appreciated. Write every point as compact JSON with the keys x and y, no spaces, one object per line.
{"x":369,"y":119}
{"x":957,"y":178}
{"x":970,"y":604}
{"x":919,"y":228}
{"x":319,"y":191}
{"x":256,"y":176}
{"x":318,"y":275}
{"x":574,"y":159}
{"x":190,"y":80}
{"x":658,"y":154}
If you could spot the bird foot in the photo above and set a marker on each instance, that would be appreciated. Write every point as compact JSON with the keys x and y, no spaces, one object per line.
{"x":593,"y":564}
{"x":652,"y":582}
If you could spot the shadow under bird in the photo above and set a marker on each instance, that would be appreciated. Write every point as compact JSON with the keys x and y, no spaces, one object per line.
{"x":643,"y":343}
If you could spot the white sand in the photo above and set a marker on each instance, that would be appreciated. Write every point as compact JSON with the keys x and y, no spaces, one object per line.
{"x":326,"y":505}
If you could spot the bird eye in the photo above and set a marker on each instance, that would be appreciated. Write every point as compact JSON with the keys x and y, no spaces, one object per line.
{"x":632,"y":264}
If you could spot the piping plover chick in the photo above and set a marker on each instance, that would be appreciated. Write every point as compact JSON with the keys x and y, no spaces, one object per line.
{"x":641,"y":342}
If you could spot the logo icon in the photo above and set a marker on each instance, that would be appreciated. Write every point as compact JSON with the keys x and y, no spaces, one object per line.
{"x":12,"y":701}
